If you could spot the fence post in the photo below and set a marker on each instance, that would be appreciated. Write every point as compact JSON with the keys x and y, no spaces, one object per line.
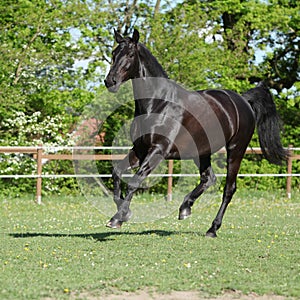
{"x":39,"y":175}
{"x":170,"y":179}
{"x":289,"y":171}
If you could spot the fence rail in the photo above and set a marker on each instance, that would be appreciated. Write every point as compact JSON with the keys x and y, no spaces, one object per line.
{"x":39,"y":153}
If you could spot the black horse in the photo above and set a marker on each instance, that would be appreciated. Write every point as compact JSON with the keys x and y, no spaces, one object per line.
{"x":173,"y":123}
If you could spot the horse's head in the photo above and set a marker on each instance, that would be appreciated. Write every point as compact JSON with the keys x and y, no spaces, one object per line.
{"x":125,"y":60}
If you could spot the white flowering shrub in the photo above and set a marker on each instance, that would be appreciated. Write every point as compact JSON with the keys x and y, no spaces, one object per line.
{"x":34,"y":130}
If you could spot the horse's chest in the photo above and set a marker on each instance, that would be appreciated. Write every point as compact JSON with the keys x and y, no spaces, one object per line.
{"x":155,"y":128}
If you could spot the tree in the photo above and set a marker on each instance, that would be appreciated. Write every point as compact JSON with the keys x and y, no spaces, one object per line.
{"x":201,"y":44}
{"x":41,"y":91}
{"x":37,"y":57}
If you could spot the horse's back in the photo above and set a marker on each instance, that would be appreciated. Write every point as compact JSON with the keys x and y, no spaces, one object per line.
{"x":234,"y":114}
{"x":245,"y":121}
{"x":231,"y":103}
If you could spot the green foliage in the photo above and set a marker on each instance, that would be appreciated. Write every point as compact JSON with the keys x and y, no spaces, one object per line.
{"x":54,"y":56}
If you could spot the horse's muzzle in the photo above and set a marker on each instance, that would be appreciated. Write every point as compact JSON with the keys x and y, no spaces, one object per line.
{"x":111,"y":85}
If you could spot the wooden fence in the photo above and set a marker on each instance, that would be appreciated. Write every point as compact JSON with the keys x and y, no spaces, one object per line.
{"x":39,"y":154}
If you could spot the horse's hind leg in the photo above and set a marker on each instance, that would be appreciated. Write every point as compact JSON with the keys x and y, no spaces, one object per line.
{"x":208,"y":178}
{"x":234,"y":158}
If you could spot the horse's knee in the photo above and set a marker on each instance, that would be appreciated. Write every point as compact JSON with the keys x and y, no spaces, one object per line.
{"x":116,"y":174}
{"x":208,"y":178}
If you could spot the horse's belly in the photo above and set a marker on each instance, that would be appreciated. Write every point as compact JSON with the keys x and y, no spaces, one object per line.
{"x":200,"y":136}
{"x":189,"y":147}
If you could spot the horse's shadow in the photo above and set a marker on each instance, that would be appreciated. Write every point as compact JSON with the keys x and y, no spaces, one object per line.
{"x":102,"y":236}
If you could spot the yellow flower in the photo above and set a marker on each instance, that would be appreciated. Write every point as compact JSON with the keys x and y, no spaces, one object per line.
{"x":188,"y":265}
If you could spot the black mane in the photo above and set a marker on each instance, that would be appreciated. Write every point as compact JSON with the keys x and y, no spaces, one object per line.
{"x":151,"y":63}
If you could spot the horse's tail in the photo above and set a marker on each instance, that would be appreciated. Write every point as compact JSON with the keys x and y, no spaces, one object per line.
{"x":267,"y":122}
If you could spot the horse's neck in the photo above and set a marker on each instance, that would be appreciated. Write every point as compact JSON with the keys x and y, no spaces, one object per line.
{"x":150,"y":83}
{"x":151,"y":93}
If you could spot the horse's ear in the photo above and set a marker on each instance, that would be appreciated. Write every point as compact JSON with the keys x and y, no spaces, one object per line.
{"x":118,"y":37}
{"x":135,"y":36}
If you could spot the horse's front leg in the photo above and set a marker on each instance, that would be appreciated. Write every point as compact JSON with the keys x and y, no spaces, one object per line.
{"x":153,"y":158}
{"x":129,"y":162}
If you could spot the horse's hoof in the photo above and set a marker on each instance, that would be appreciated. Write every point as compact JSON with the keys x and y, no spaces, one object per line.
{"x":185,"y":213}
{"x":114,"y":223}
{"x":211,"y":234}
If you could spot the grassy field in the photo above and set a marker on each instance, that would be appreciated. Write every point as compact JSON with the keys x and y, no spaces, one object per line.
{"x":62,"y":250}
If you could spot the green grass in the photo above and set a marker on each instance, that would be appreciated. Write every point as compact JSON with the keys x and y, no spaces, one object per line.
{"x":62,"y":247}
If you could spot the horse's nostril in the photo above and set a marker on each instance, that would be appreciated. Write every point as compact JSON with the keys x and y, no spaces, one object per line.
{"x":114,"y":81}
{"x":110,"y":82}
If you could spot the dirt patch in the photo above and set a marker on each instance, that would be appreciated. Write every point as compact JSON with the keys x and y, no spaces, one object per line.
{"x":189,"y":295}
